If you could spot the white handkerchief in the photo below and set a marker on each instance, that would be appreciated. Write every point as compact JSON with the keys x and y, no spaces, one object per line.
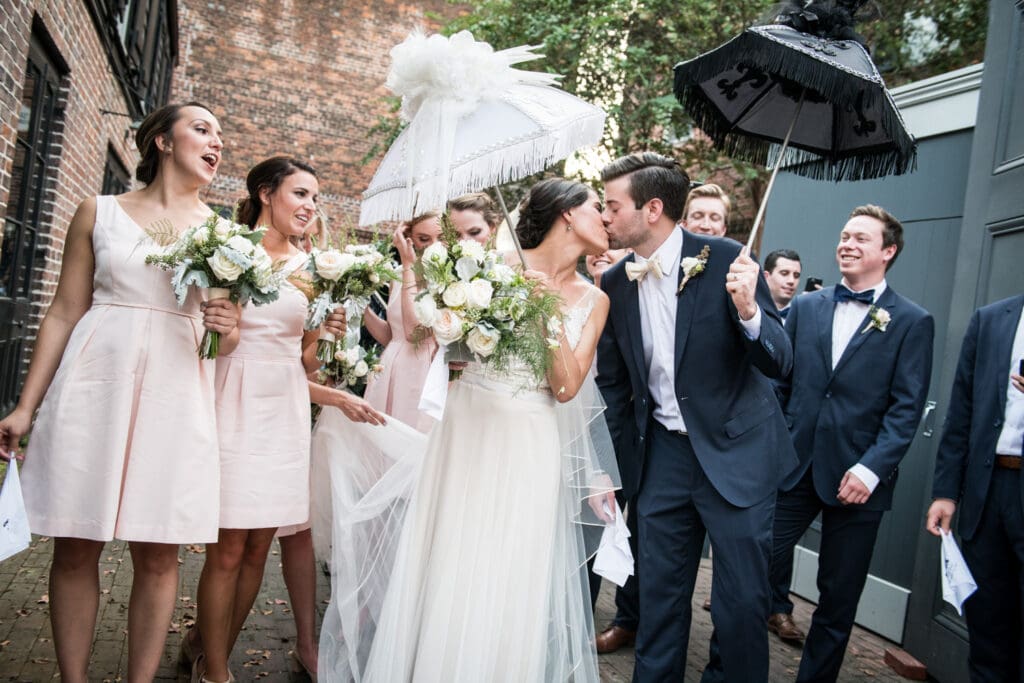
{"x":435,"y":388}
{"x":14,"y":533}
{"x":614,"y":559}
{"x":957,"y":582}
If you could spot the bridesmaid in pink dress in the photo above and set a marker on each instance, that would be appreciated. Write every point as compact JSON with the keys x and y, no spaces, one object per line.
{"x":125,"y":442}
{"x":407,"y":353}
{"x":262,"y":416}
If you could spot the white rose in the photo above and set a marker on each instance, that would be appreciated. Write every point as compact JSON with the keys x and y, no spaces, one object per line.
{"x":328,"y":264}
{"x":466,"y":267}
{"x":482,"y":340}
{"x":480,"y":292}
{"x":223,"y":227}
{"x":361,"y":369}
{"x":425,"y":310}
{"x":200,"y":235}
{"x":241,"y":245}
{"x":223,"y":267}
{"x":436,"y":253}
{"x":352,"y":355}
{"x":456,"y":294}
{"x":472,"y":249}
{"x":447,"y":326}
{"x":373,"y":277}
{"x":264,"y":269}
{"x":501,"y":273}
{"x":346,"y":261}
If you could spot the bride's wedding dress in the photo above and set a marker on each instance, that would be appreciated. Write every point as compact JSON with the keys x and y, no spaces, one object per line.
{"x":462,"y":557}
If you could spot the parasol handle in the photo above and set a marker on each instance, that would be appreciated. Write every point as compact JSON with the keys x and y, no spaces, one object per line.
{"x":511,"y":228}
{"x":775,"y":172}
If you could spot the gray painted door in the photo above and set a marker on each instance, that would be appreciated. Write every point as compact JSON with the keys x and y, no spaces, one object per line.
{"x":807,"y":216}
{"x":988,"y":268}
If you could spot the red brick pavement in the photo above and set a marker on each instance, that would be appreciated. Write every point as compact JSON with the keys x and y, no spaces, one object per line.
{"x":26,"y":646}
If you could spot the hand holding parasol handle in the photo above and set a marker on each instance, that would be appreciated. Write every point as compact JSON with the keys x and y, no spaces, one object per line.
{"x":511,"y":228}
{"x":775,"y":172}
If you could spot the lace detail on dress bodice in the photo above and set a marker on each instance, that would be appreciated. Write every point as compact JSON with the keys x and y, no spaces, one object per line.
{"x":519,"y":376}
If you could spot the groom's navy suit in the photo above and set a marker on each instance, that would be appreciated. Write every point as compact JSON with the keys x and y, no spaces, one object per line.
{"x":991,"y":497}
{"x":722,"y":475}
{"x":865,"y":411}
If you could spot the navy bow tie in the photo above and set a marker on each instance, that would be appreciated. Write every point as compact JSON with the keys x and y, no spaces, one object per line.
{"x":784,"y":313}
{"x":842,"y":293}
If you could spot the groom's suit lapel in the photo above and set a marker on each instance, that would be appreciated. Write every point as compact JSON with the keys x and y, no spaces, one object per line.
{"x":632,"y":308}
{"x":686,"y":301}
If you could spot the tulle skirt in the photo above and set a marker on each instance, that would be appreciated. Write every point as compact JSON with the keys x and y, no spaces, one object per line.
{"x":462,"y":558}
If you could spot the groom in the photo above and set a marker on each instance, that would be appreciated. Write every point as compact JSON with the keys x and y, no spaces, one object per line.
{"x":697,"y":429}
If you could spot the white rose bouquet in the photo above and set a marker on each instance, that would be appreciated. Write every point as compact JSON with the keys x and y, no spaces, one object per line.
{"x":481,"y":309}
{"x":348,"y":277}
{"x":351,"y":367}
{"x":227,"y":261}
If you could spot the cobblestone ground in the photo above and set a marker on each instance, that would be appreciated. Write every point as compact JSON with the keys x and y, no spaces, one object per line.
{"x":26,"y":646}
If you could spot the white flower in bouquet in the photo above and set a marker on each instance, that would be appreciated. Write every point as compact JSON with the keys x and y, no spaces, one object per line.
{"x":223,"y":266}
{"x":436,"y":254}
{"x":473,"y":250}
{"x":241,"y":244}
{"x":346,"y":261}
{"x":222,"y":227}
{"x":447,"y":326}
{"x":264,"y":270}
{"x":500,"y":273}
{"x":480,"y":293}
{"x":456,"y":294}
{"x":360,"y":368}
{"x":466,"y":268}
{"x":483,"y":340}
{"x":327,"y":264}
{"x":199,"y":235}
{"x":425,"y":310}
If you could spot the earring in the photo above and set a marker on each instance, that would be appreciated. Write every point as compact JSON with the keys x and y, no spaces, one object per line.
{"x":568,"y":227}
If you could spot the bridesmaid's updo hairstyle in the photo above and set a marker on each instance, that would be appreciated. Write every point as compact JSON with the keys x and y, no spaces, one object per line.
{"x":159,"y":122}
{"x":542,"y":206}
{"x":266,"y":175}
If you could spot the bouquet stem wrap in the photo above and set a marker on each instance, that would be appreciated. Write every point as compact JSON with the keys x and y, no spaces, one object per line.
{"x":209,"y":347}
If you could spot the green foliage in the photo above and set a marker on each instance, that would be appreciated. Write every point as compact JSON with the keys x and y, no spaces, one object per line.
{"x":620,"y":53}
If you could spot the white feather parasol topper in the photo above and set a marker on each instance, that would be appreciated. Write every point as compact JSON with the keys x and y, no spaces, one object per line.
{"x":474,"y":121}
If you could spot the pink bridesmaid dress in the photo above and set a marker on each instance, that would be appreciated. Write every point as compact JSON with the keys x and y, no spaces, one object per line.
{"x":125,"y":442}
{"x":263,"y":419}
{"x":396,"y":390}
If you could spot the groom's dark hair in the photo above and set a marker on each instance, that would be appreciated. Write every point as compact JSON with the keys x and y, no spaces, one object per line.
{"x":652,"y":175}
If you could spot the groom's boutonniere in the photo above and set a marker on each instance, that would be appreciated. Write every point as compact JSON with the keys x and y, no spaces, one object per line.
{"x":879,"y":319}
{"x":692,"y":266}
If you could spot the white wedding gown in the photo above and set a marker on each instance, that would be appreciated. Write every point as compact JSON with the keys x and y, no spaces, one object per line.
{"x":461,"y":558}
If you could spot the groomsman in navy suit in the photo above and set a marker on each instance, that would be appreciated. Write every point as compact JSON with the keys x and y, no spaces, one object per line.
{"x":978,"y":464}
{"x":691,"y":340}
{"x":861,"y":369}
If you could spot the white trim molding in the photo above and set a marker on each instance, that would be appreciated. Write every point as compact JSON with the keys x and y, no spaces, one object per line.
{"x":940,"y":104}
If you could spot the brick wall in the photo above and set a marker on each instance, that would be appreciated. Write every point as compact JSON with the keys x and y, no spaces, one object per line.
{"x":298,"y":78}
{"x":82,"y":133}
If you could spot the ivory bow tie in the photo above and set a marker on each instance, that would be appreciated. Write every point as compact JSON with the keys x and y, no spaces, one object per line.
{"x":638,"y":271}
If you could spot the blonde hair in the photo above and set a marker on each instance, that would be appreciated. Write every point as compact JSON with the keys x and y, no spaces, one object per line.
{"x":708,"y":190}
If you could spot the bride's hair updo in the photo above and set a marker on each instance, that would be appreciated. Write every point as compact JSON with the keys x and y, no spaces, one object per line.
{"x":542,"y":206}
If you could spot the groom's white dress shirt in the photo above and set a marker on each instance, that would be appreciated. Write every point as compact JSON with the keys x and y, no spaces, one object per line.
{"x":846,"y":322}
{"x":1012,"y":434}
{"x":657,"y":297}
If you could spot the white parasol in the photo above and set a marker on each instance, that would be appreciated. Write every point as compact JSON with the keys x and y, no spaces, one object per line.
{"x":474,"y":122}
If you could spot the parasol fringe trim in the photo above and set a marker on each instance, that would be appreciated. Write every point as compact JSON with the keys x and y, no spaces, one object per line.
{"x":517,"y":161}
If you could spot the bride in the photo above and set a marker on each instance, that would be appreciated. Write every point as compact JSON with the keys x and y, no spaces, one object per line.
{"x":464,"y":558}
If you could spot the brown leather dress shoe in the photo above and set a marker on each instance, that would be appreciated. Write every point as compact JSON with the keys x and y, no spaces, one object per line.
{"x":614,"y":638}
{"x":784,"y":627}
